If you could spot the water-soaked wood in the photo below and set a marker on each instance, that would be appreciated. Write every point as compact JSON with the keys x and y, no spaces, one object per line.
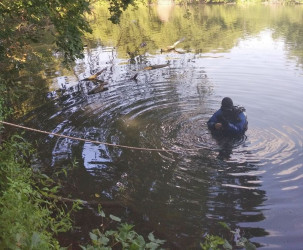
{"x":95,"y":76}
{"x":172,"y":47}
{"x":158,"y":66}
{"x":85,"y":203}
{"x":99,"y":88}
{"x":152,"y":67}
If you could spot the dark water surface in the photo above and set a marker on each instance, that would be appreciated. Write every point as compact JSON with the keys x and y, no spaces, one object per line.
{"x":253,"y":54}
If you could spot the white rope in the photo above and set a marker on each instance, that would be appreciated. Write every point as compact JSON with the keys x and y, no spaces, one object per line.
{"x":93,"y":141}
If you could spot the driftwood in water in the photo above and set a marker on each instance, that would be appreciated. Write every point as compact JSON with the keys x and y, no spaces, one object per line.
{"x":172,"y":47}
{"x":167,"y":49}
{"x":85,"y":203}
{"x":95,"y":76}
{"x":157,"y":66}
{"x":99,"y":88}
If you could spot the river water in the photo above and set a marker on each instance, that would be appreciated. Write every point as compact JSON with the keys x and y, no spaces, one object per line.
{"x":251,"y":53}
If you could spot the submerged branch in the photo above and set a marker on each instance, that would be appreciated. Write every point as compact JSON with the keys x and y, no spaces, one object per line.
{"x":85,"y":203}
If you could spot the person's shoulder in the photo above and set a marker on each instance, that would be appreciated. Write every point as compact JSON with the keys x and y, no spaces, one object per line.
{"x":239,"y":110}
{"x":219,"y":111}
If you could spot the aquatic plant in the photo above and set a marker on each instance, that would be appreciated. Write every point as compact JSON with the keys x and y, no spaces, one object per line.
{"x":234,"y":240}
{"x":124,"y":237}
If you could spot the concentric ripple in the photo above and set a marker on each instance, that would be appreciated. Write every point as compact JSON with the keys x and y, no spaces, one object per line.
{"x":205,"y":179}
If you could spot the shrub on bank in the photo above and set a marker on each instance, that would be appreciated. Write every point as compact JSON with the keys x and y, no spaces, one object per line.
{"x":28,"y":219}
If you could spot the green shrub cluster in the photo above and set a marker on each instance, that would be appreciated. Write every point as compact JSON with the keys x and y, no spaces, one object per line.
{"x":29,"y":220}
{"x":31,"y":216}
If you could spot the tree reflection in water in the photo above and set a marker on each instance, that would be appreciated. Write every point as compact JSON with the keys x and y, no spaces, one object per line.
{"x":180,"y":196}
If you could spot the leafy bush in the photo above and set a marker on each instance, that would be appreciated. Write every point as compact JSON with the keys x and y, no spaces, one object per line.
{"x":4,"y":109}
{"x":29,"y":220}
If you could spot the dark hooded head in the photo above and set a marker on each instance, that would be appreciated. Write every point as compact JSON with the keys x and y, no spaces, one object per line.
{"x":227,"y":104}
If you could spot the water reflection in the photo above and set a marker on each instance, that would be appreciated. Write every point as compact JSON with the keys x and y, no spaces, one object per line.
{"x":226,"y":144}
{"x":164,"y":9}
{"x":182,"y":196}
{"x":179,"y":195}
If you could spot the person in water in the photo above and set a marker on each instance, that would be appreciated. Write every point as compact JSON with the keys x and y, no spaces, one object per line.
{"x":229,"y":119}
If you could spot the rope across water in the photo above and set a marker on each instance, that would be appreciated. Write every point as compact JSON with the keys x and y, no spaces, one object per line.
{"x":93,"y":141}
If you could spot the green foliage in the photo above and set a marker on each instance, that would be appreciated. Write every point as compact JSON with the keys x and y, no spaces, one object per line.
{"x":4,"y":108}
{"x":19,"y":96}
{"x":34,"y":33}
{"x":116,"y":9}
{"x":24,"y":22}
{"x":122,"y":238}
{"x":215,"y":242}
{"x":29,"y":217}
{"x":219,"y":242}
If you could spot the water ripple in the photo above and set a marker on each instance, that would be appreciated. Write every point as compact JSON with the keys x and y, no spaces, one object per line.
{"x":209,"y":178}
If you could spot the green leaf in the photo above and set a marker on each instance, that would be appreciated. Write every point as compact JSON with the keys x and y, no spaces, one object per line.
{"x":140,"y":240}
{"x":151,"y":237}
{"x":134,"y":246}
{"x":103,"y":240}
{"x":100,"y":211}
{"x":115,"y":218}
{"x":126,"y":227}
{"x":249,"y":246}
{"x":226,"y":245}
{"x":224,"y":225}
{"x":97,"y":232}
{"x":93,"y":236}
{"x":151,"y":245}
{"x":35,"y":240}
{"x":102,"y":214}
{"x":110,"y":232}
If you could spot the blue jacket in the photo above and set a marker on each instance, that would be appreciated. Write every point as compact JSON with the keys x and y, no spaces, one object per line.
{"x":236,"y":126}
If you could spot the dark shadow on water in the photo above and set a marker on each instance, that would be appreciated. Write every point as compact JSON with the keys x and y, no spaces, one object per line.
{"x":234,"y":193}
{"x":226,"y":144}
